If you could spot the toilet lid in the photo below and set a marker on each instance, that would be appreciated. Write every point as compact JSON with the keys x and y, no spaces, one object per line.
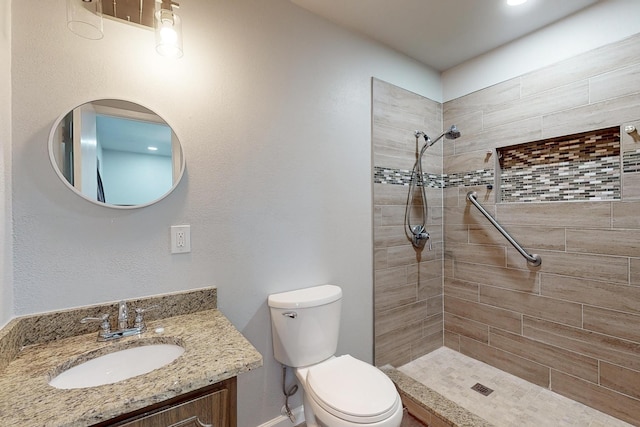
{"x":352,"y":390}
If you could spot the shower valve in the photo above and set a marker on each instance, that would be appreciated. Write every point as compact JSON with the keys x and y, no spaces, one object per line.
{"x":420,"y":237}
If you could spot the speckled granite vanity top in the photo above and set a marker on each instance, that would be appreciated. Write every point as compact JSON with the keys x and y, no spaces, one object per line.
{"x":35,"y":348}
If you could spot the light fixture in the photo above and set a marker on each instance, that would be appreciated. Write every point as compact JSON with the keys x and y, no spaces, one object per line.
{"x":515,"y":2}
{"x":168,"y":30}
{"x":84,"y":18}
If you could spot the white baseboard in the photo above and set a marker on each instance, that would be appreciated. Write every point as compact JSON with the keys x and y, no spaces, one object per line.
{"x":283,"y":421}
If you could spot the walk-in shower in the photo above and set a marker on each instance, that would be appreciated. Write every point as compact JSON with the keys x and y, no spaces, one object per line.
{"x":417,"y":233}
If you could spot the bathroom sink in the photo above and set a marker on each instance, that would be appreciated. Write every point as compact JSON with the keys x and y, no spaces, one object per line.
{"x":117,"y":366}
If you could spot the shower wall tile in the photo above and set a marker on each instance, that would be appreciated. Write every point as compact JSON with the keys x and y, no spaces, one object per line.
{"x":623,"y":242}
{"x":395,"y":347}
{"x":631,"y":186}
{"x":556,"y":214}
{"x":591,"y":292}
{"x":540,"y":237}
{"x":598,"y":346}
{"x":508,"y":362}
{"x":391,"y":320}
{"x":598,"y":115}
{"x":393,"y":297}
{"x":577,"y":316}
{"x":468,"y":162}
{"x":547,"y":355}
{"x":634,"y":271}
{"x":617,"y":83}
{"x":429,"y":288}
{"x":622,"y":325}
{"x":487,"y":255}
{"x":625,"y":214}
{"x":562,"y":98}
{"x":384,"y":194}
{"x":508,"y":278}
{"x":387,"y":236}
{"x":482,"y":313}
{"x":494,"y":95}
{"x":462,"y":290}
{"x":488,"y":139}
{"x":597,"y":267}
{"x":452,"y":340}
{"x":601,"y":398}
{"x":568,"y":313}
{"x":589,"y":64}
{"x":407,"y":283}
{"x":468,"y":328}
{"x":618,"y":378}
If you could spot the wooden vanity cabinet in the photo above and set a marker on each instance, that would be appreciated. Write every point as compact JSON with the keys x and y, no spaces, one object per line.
{"x":213,"y":405}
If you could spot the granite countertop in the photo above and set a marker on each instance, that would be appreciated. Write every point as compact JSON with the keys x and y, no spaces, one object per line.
{"x":214,"y":351}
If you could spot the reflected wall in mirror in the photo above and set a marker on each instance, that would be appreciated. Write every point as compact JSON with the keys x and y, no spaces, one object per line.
{"x":116,"y":153}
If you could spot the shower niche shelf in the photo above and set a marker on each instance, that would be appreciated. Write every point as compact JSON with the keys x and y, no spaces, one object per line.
{"x":578,"y":167}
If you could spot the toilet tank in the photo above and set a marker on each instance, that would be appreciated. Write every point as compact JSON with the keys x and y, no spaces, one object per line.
{"x":305,"y":324}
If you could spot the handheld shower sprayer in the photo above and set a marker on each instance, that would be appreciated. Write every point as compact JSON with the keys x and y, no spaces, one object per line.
{"x":417,"y":233}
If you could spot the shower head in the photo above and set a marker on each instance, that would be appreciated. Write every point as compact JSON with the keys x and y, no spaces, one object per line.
{"x":452,"y":133}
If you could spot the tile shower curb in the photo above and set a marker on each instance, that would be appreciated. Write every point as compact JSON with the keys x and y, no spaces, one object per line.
{"x":434,"y":405}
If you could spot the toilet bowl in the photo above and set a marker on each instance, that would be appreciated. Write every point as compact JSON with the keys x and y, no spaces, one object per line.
{"x":347,"y":392}
{"x":338,"y":391}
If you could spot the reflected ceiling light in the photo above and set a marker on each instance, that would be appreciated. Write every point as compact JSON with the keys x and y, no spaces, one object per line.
{"x":151,"y":148}
{"x":168,"y":30}
{"x":515,"y":2}
{"x":84,"y":18}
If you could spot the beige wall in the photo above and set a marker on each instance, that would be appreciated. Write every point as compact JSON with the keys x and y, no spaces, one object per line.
{"x":571,"y":324}
{"x":407,"y":283}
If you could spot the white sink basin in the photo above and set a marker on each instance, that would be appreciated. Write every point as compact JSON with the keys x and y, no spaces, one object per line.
{"x":117,"y":366}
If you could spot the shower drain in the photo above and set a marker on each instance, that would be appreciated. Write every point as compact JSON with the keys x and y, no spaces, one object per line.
{"x":482,"y":389}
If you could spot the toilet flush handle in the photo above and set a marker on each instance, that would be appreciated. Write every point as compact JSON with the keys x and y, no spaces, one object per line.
{"x":290,"y":314}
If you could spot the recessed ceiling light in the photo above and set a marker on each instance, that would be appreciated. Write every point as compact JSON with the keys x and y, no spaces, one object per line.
{"x":515,"y":2}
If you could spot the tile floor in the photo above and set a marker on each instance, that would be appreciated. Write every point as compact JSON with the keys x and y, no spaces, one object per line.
{"x":514,"y":402}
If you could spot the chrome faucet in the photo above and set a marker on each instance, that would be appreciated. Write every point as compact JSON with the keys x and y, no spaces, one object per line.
{"x":106,"y":334}
{"x":123,"y":315}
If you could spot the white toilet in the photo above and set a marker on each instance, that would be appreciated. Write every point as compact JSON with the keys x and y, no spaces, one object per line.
{"x":338,"y":391}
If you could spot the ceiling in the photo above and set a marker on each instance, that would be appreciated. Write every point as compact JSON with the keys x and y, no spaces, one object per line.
{"x":443,"y":33}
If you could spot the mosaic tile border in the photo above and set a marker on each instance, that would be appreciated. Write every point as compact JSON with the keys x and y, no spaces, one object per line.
{"x":392,"y":176}
{"x":631,"y":161}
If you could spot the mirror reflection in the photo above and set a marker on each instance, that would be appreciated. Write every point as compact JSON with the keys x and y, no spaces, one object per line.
{"x":116,"y":153}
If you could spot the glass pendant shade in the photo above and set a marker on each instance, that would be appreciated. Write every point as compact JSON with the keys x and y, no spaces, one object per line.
{"x":168,"y":33}
{"x":84,"y":18}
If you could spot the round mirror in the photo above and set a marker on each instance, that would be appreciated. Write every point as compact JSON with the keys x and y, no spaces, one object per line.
{"x":116,"y":154}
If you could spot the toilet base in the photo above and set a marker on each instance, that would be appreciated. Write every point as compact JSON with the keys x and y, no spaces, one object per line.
{"x":315,"y":416}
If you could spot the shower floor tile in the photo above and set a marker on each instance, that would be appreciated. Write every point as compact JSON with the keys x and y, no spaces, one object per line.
{"x":514,"y":401}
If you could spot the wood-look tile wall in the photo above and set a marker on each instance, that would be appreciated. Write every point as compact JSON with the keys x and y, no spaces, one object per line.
{"x":407,"y":284}
{"x":572,"y":324}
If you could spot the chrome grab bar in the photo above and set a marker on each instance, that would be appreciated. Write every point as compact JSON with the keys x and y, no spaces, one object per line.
{"x":533,"y":259}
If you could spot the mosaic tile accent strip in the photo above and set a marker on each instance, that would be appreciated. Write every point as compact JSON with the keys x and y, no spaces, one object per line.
{"x":383,"y":175}
{"x":583,"y":166}
{"x":631,"y":161}
{"x":470,"y":178}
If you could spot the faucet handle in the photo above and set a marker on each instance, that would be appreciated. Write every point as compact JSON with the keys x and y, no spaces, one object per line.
{"x":104,"y":326}
{"x":139,"y":321}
